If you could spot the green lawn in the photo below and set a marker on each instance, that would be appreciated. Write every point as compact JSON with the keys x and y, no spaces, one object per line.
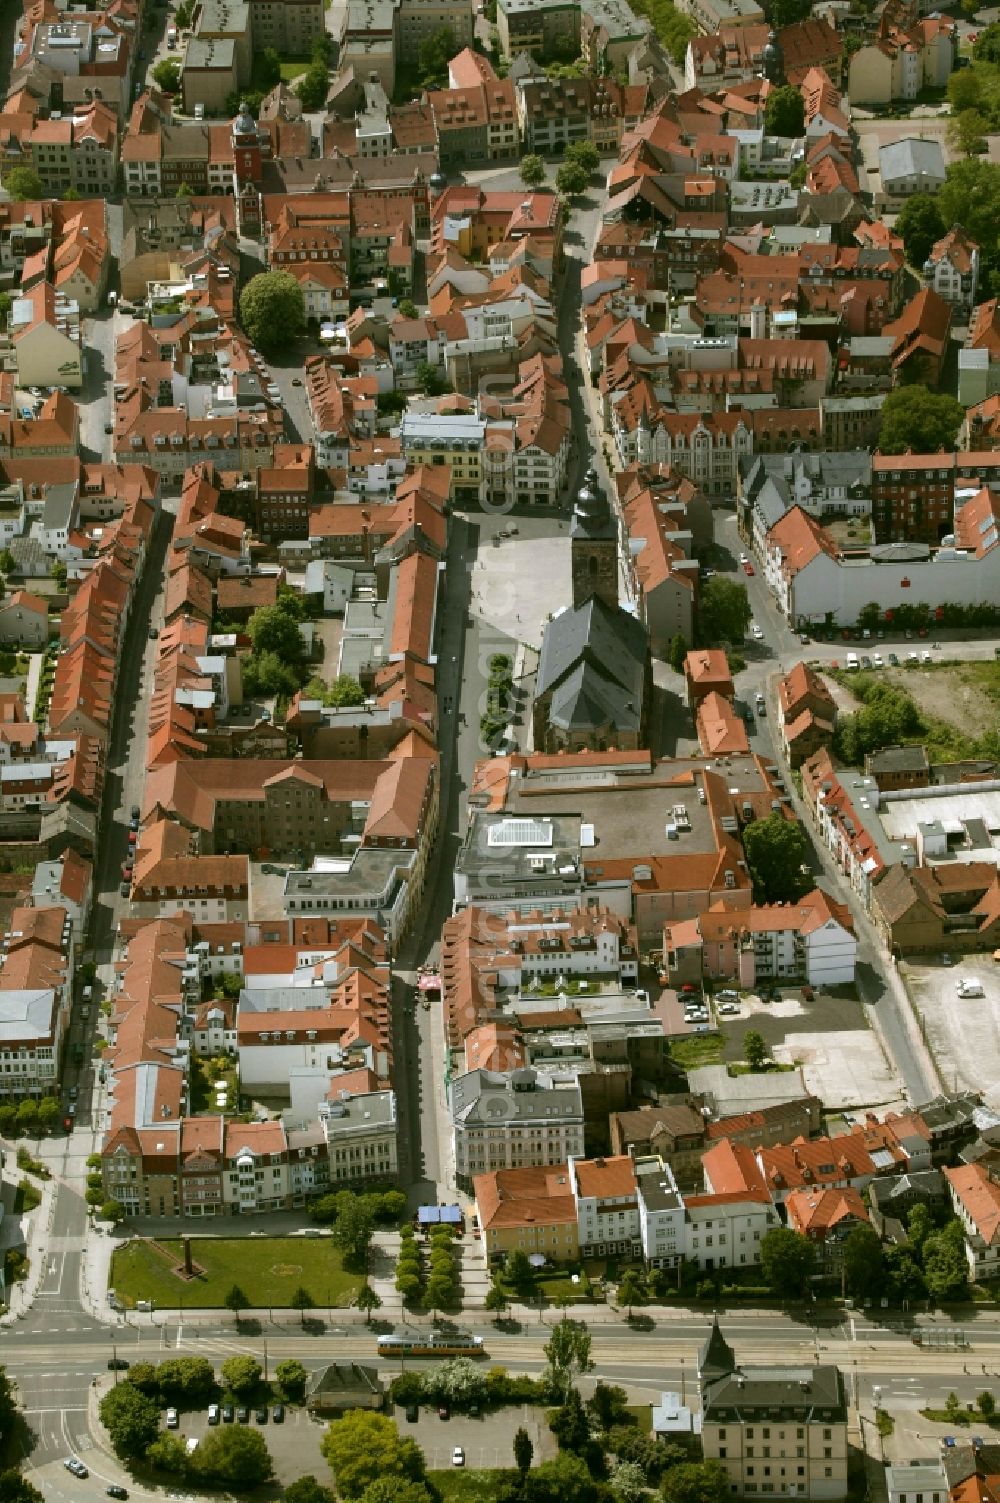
{"x":643,"y":1416}
{"x":293,"y":68}
{"x":696,"y":1049}
{"x":459,"y":1485}
{"x":268,"y":1269}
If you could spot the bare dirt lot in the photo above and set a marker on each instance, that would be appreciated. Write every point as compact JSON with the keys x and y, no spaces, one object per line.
{"x":963,"y":1034}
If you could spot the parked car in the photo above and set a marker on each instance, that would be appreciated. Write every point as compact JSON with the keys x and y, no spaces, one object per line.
{"x":946,"y":959}
{"x":808,"y":993}
{"x":278,"y":1414}
{"x":260,"y":1415}
{"x":728,"y":1008}
{"x":458,"y":1457}
{"x":444,"y":1412}
{"x":893,"y":660}
{"x":124,"y":889}
{"x":228,"y":1414}
{"x":748,"y":568}
{"x":173,"y":1419}
{"x":412,"y":1413}
{"x":214,"y":1414}
{"x":243,"y":1415}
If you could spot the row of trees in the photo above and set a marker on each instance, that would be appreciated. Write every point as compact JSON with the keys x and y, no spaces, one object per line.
{"x":930,"y":1263}
{"x":30,"y":1117}
{"x":435,"y":1284}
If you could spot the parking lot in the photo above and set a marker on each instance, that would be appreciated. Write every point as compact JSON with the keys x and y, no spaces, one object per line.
{"x":485,"y":1438}
{"x":842,"y":1061}
{"x":294,"y":1444}
{"x":963,"y":1034}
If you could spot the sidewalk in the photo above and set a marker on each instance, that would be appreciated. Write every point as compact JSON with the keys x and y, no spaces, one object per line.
{"x":30,"y":1231}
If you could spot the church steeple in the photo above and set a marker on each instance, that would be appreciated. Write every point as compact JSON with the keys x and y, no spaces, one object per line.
{"x":594,"y":545}
{"x":716,"y":1358}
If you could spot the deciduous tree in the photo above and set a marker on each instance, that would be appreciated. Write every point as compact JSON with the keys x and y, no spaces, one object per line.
{"x":786,"y":1259}
{"x":775,"y":850}
{"x":234,"y":1455}
{"x":131,"y":1419}
{"x":272,"y":308}
{"x":723,"y":611}
{"x":532,"y":170}
{"x":362,"y":1446}
{"x":567,"y":1352}
{"x":918,"y":419}
{"x":291,"y":1377}
{"x":754,"y":1049}
{"x":784,"y":113}
{"x":242,"y":1375}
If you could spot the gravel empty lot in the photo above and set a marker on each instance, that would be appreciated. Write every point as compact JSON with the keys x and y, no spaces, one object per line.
{"x":963,"y":1034}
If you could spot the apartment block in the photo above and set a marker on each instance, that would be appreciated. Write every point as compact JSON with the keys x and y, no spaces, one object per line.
{"x":513,"y":1120}
{"x":773,"y":1429}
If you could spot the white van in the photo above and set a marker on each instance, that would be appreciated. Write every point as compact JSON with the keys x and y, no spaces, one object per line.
{"x":852,"y":660}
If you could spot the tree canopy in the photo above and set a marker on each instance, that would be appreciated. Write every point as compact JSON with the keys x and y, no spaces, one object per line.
{"x":918,"y":419}
{"x":864,"y":1261}
{"x":919,"y":225}
{"x":167,"y":75}
{"x":887,"y":717}
{"x":362,"y":1447}
{"x":131,"y":1419}
{"x":15,"y":1488}
{"x":696,"y":1482}
{"x":242,"y":1375}
{"x":233,"y":1454}
{"x":532,"y":170}
{"x":23,"y":183}
{"x":272,"y":309}
{"x":436,"y":52}
{"x":571,"y":179}
{"x":353,"y":1228}
{"x":723,"y":611}
{"x":786,"y":1260}
{"x":775,"y":850}
{"x":272,"y":629}
{"x":785,"y":112}
{"x":306,"y":1489}
{"x":567,"y":1352}
{"x":291,"y":1377}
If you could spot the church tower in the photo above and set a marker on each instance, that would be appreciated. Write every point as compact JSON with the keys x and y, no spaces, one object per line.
{"x":594,"y":545}
{"x":773,"y":58}
{"x":247,"y":171}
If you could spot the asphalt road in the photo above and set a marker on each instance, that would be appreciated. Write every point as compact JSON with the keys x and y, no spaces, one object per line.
{"x":55,"y":1376}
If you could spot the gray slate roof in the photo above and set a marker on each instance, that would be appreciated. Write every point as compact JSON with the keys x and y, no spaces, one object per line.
{"x":593,"y":662}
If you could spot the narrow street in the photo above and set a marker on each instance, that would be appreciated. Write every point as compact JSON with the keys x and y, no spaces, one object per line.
{"x":58,"y":1301}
